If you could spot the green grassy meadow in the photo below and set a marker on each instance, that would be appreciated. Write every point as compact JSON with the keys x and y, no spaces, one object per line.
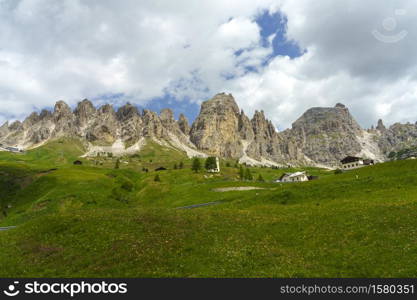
{"x":97,"y":221}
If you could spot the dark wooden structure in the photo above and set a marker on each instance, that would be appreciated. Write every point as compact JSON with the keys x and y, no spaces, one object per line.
{"x":368,"y":162}
{"x":161,"y":169}
{"x":350,"y":159}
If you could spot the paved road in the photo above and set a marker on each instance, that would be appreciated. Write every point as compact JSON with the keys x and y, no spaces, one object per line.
{"x":7,"y":228}
{"x":198,"y":205}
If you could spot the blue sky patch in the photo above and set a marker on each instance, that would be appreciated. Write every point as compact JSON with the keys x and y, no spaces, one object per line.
{"x":189,"y":109}
{"x":276,"y":23}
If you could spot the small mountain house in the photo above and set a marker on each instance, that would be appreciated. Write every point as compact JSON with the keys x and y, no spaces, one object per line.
{"x":293,"y":177}
{"x":11,"y":149}
{"x":352,"y":162}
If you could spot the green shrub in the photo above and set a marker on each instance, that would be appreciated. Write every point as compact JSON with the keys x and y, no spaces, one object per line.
{"x":284,"y":197}
{"x":210,"y":163}
{"x":127,"y":186}
{"x":196,"y":166}
{"x":120,"y":195}
{"x":241,"y":173}
{"x":248,"y":175}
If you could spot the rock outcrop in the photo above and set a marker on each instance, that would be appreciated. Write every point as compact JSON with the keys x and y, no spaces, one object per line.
{"x":184,"y":125}
{"x":4,"y":129}
{"x":216,"y":129}
{"x":397,"y":137}
{"x":326,"y":135}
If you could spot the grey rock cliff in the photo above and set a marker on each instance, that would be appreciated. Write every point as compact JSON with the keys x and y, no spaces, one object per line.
{"x":184,"y":125}
{"x":326,"y":135}
{"x":216,"y":128}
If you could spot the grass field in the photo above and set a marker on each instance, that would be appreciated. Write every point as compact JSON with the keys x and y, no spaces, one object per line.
{"x":97,"y":221}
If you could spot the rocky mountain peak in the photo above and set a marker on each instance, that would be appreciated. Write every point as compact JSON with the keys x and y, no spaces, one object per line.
{"x":127,"y":111}
{"x":16,"y":125}
{"x":152,"y":124}
{"x":85,"y":106}
{"x":166,"y":115}
{"x":106,"y":109}
{"x":381,"y":126}
{"x":33,"y":118}
{"x":216,"y":128}
{"x":4,"y":129}
{"x":245,"y":127}
{"x":327,"y":134}
{"x":183,"y":124}
{"x":220,"y":104}
{"x":318,"y":119}
{"x":262,"y":126}
{"x":61,"y":108}
{"x":84,"y":112}
{"x":259,"y":122}
{"x":45,"y":114}
{"x":63,"y":116}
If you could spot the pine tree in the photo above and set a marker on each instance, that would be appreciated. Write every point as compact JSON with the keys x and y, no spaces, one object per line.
{"x":157,"y":179}
{"x":175,"y":166}
{"x":210,"y":163}
{"x":117,"y":165}
{"x":196,"y":166}
{"x":248,"y":175}
{"x":241,"y":173}
{"x":181,"y":165}
{"x":260,"y":178}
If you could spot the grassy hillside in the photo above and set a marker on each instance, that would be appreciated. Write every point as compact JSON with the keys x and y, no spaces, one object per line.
{"x":94,"y":220}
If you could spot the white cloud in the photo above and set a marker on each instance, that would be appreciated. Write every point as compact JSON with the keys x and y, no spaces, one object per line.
{"x":344,"y":63}
{"x":73,"y":49}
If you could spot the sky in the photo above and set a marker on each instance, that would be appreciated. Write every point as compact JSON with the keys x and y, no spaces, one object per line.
{"x":280,"y":56}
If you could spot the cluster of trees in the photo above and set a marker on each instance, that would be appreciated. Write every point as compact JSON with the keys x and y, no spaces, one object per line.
{"x":246,"y":174}
{"x":403,"y":154}
{"x":179,"y":166}
{"x":209,"y":164}
{"x":196,"y":165}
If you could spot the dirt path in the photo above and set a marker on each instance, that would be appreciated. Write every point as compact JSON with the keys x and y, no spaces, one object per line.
{"x":198,"y":205}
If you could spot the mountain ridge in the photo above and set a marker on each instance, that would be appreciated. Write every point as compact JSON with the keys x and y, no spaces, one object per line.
{"x":320,"y":137}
